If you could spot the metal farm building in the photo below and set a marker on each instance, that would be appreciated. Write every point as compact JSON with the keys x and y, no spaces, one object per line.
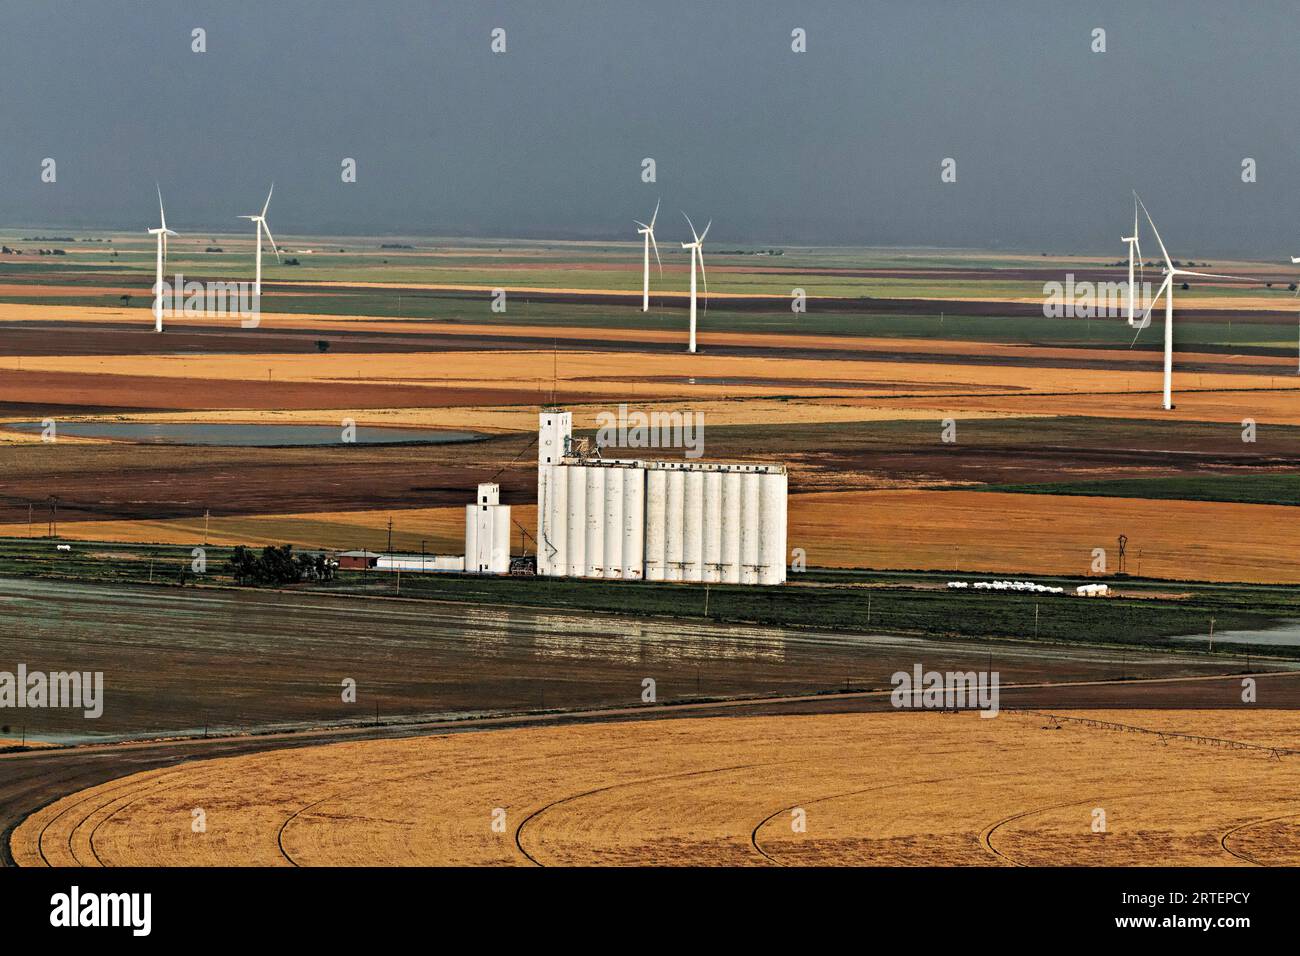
{"x":655,"y":520}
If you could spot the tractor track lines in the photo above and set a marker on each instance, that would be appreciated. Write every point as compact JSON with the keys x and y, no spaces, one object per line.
{"x":536,"y":814}
{"x":1245,"y":857}
{"x":753,"y":835}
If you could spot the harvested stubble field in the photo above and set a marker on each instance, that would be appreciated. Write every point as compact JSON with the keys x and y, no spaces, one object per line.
{"x":875,"y":788}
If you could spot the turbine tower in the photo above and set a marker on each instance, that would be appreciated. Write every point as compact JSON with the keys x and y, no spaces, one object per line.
{"x":649,"y":233}
{"x":1167,"y":290}
{"x":1133,"y":243}
{"x":260,"y":223}
{"x":697,"y":253}
{"x":162,"y":232}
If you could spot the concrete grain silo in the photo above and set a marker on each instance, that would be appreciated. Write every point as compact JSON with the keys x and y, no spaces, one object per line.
{"x":655,"y":520}
{"x":487,"y":533}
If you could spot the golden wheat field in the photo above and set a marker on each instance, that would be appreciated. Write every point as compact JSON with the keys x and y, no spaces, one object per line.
{"x":880,"y":788}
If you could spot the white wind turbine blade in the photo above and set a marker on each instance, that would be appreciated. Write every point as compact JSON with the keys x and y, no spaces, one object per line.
{"x":654,"y":215}
{"x":705,"y":232}
{"x":268,"y":200}
{"x":699,"y":251}
{"x":162,"y":216}
{"x":1295,"y":258}
{"x":655,"y":246}
{"x":694,"y":235}
{"x":1163,"y":290}
{"x":1211,"y":275}
{"x":642,"y":225}
{"x":1163,"y":250}
{"x":267,"y":229}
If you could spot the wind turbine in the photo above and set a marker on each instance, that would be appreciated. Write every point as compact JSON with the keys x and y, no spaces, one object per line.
{"x":261,"y":226}
{"x":649,"y":233}
{"x":697,"y":252}
{"x":1133,"y":243}
{"x":1167,"y":290}
{"x":162,"y":232}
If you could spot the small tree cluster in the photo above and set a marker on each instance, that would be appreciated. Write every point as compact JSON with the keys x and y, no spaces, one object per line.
{"x":278,"y":566}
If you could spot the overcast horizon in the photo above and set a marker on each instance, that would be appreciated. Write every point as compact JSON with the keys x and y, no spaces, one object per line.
{"x":839,"y":145}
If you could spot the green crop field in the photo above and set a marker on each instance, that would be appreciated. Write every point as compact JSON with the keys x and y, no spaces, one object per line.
{"x":1265,"y":489}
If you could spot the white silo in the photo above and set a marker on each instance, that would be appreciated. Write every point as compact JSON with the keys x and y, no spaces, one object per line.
{"x":656,"y":525}
{"x":487,"y":532}
{"x":595,"y":522}
{"x":693,"y":526}
{"x":613,"y":521}
{"x":731,"y":523}
{"x":635,"y":522}
{"x":749,"y":526}
{"x":674,"y":523}
{"x":658,"y":520}
{"x":577,"y":476}
{"x":771,"y":531}
{"x":712,"y":525}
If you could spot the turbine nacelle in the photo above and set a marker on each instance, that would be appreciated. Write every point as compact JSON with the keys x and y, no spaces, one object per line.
{"x":259,"y":221}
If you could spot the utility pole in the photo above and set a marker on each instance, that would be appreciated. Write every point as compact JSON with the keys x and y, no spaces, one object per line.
{"x":1211,"y":635}
{"x":29,"y":519}
{"x":422,"y":542}
{"x":206,"y":514}
{"x":706,"y":600}
{"x":390,"y":536}
{"x":1035,"y":622}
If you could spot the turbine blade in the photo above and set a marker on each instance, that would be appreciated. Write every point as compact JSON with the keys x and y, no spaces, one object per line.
{"x":641,"y":224}
{"x":702,"y":235}
{"x":655,"y":246}
{"x":1163,"y":250}
{"x":1164,"y":286}
{"x":268,"y":199}
{"x":692,"y":225}
{"x":703,"y":275}
{"x":161,"y":215}
{"x":655,"y":215}
{"x":1295,"y":258}
{"x":267,"y":230}
{"x":1211,"y":275}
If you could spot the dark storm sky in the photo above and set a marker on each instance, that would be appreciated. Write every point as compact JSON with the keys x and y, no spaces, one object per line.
{"x":841,"y":144}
